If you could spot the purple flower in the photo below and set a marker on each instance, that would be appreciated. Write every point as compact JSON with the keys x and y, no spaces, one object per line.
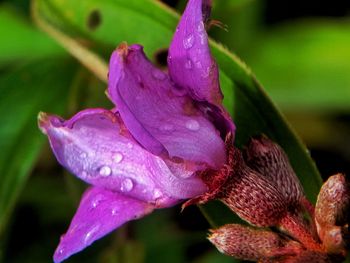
{"x":147,"y":152}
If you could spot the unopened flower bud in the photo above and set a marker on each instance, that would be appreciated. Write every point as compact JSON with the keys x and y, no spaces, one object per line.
{"x":331,"y":213}
{"x":251,"y":244}
{"x":269,"y":159}
{"x":252,"y":196}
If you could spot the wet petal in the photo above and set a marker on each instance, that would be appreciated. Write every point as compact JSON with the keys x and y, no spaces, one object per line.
{"x":96,"y":147}
{"x":100,"y":212}
{"x":190,"y":63}
{"x":162,"y":118}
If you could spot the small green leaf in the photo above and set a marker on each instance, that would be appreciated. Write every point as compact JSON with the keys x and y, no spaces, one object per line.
{"x":152,"y":25}
{"x":39,"y":85}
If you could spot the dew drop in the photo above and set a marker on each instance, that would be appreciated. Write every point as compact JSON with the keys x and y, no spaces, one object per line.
{"x":97,"y":200}
{"x":83,"y":155}
{"x":188,"y":64}
{"x":192,"y":125}
{"x":105,"y":170}
{"x":118,"y":157}
{"x":89,"y":235}
{"x":159,"y":75}
{"x":114,"y":211}
{"x":129,"y":145}
{"x":166,"y":127}
{"x":200,"y":27}
{"x":127,"y":185}
{"x":61,"y":251}
{"x":157,"y":193}
{"x":188,"y":41}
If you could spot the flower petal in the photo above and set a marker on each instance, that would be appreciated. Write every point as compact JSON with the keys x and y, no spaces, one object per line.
{"x":190,"y":63}
{"x":161,"y":117}
{"x":96,"y":147}
{"x":100,"y":212}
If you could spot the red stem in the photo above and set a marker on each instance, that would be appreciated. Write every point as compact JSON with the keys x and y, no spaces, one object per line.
{"x":295,"y":226}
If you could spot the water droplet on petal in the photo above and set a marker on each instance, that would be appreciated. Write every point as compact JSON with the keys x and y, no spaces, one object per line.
{"x":129,"y":145}
{"x":89,"y":235}
{"x":127,"y":185}
{"x":158,"y":74}
{"x":114,"y":211}
{"x":192,"y":125}
{"x":188,"y":64}
{"x":157,"y":193}
{"x":167,"y":127}
{"x":97,"y":200}
{"x":198,"y":64}
{"x":200,"y":27}
{"x":61,"y":251}
{"x":105,"y":170}
{"x":188,"y":41}
{"x":118,"y":157}
{"x":83,"y":155}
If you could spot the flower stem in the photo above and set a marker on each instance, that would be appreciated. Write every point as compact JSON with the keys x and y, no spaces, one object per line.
{"x":294,"y":225}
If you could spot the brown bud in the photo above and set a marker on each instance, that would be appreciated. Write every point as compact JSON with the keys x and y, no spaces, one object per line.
{"x":331,"y":213}
{"x":269,"y":159}
{"x":252,"y":196}
{"x":251,"y":244}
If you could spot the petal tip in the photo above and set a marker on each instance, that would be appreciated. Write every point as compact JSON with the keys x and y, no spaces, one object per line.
{"x":60,"y":255}
{"x":43,"y":121}
{"x":123,"y":49}
{"x":46,"y":121}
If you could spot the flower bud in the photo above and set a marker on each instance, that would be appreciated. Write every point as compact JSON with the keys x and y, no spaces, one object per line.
{"x":251,"y":244}
{"x":252,"y":196}
{"x":331,"y":213}
{"x":269,"y":159}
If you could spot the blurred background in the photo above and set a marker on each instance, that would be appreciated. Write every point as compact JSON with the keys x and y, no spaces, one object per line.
{"x":299,"y":51}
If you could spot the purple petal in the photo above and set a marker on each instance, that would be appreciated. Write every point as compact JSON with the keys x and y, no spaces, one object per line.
{"x":96,"y":147}
{"x":161,"y":118}
{"x":100,"y":212}
{"x":190,"y":63}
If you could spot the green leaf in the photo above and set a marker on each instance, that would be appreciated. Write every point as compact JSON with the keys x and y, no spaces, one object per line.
{"x":39,"y":85}
{"x":152,"y":24}
{"x":22,"y":41}
{"x":305,"y":64}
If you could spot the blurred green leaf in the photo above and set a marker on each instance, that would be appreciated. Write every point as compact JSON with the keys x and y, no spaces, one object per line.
{"x":39,"y":85}
{"x":20,"y":40}
{"x":305,"y":64}
{"x":152,"y":24}
{"x":241,"y":21}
